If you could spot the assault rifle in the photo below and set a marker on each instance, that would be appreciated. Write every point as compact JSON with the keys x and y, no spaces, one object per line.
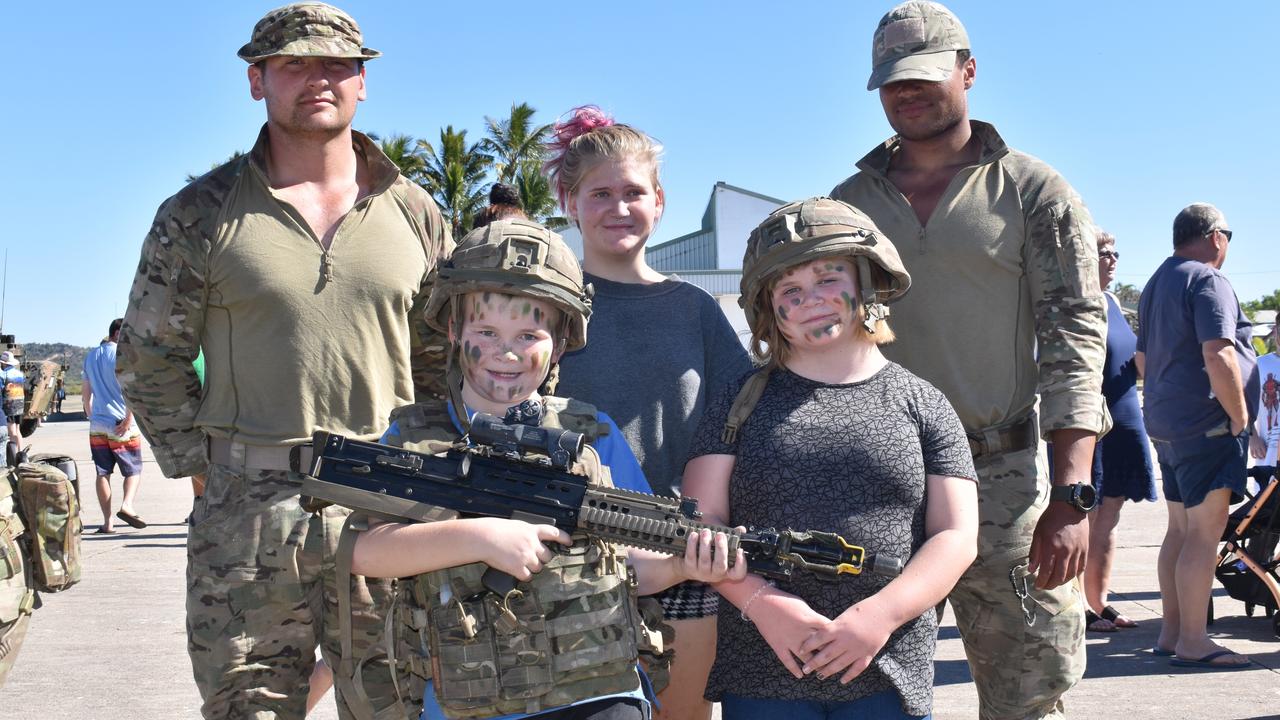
{"x":497,"y":477}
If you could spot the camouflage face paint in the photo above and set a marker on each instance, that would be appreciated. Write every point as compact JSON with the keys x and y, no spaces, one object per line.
{"x":537,"y":315}
{"x":782,"y":312}
{"x":795,"y":301}
{"x":848,"y":299}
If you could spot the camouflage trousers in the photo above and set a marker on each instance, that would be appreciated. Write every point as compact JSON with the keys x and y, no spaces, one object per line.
{"x":1020,"y":671}
{"x":262,"y":594}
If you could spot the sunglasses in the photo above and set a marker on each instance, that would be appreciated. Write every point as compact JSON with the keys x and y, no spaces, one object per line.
{"x":1225,"y":232}
{"x":1108,"y":255}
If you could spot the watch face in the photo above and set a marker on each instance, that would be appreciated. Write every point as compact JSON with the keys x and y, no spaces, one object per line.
{"x":1087,"y":496}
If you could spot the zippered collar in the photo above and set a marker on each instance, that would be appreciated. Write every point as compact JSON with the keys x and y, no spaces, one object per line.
{"x":876,"y":162}
{"x":382,"y":171}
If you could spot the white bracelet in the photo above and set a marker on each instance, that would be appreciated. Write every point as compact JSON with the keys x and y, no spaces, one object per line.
{"x":754,"y":595}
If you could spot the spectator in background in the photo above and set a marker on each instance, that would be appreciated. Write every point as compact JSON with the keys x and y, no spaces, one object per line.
{"x":1122,"y":458}
{"x":1201,"y":380}
{"x":1266,"y":438}
{"x":504,"y":203}
{"x":15,"y":404}
{"x":114,"y":439}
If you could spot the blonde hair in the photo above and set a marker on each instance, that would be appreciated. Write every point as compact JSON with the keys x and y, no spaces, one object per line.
{"x":770,"y":347}
{"x":588,"y":138}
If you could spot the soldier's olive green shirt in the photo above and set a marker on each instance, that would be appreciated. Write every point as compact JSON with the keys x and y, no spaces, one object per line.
{"x":1004,"y":301}
{"x":296,"y":338}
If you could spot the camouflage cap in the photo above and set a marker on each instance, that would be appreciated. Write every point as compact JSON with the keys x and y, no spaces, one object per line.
{"x":514,"y":257}
{"x":916,"y":40}
{"x":309,"y":29}
{"x":819,"y":227}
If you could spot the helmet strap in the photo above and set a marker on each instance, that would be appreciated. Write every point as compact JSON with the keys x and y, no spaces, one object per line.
{"x":453,"y":367}
{"x":873,"y":311}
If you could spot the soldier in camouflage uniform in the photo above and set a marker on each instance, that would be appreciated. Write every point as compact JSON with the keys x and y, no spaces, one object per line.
{"x":512,"y":300}
{"x":1005,"y":313}
{"x":301,"y":269}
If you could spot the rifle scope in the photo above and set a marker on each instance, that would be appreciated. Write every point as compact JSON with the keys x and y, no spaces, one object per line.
{"x":562,"y":446}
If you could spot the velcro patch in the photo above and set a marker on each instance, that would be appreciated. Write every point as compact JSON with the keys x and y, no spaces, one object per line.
{"x":908,"y":31}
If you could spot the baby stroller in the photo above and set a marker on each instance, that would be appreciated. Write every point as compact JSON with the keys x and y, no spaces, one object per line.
{"x":1248,"y":560}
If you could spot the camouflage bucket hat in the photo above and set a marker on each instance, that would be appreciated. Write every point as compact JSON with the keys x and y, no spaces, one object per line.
{"x":916,"y":40}
{"x":306,"y":30}
{"x":514,"y":257}
{"x":815,"y":228}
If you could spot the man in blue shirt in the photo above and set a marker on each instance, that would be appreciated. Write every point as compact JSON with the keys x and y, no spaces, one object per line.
{"x":114,"y":439}
{"x":1201,"y":392}
{"x":15,"y":402}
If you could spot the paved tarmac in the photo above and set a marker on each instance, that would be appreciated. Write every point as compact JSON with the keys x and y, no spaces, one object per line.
{"x":114,"y":646}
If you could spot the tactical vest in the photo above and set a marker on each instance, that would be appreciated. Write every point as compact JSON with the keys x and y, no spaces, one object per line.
{"x":568,"y":634}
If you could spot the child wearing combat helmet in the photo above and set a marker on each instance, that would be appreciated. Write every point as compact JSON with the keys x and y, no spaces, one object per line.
{"x":855,"y":444}
{"x":512,"y":301}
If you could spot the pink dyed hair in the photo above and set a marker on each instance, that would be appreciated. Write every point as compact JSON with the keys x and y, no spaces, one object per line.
{"x":586,"y":138}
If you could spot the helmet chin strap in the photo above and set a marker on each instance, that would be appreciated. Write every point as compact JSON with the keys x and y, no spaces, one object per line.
{"x":874,"y":311}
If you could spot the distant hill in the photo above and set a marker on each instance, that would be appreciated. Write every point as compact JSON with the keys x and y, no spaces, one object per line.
{"x":69,"y":355}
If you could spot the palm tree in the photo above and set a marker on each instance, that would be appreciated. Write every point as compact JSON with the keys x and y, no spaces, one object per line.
{"x":406,"y":153}
{"x":454,"y":175}
{"x":1128,"y":294}
{"x":515,"y":142}
{"x":536,"y":197}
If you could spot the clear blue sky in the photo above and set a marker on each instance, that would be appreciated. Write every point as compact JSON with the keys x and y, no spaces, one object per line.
{"x":1144,"y":106}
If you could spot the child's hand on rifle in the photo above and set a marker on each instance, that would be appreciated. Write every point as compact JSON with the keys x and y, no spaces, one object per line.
{"x":516,"y":547}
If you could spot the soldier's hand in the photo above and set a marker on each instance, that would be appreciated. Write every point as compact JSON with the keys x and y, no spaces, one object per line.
{"x":518,"y":548}
{"x":1059,"y":545}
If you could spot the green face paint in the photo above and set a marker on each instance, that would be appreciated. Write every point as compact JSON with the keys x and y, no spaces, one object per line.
{"x":782,"y":312}
{"x":847,"y":299}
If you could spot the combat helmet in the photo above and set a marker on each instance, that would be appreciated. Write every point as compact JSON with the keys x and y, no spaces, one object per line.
{"x":512,"y":257}
{"x":801,"y":232}
{"x":820,"y":227}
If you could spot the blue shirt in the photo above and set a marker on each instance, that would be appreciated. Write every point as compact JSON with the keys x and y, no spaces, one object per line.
{"x":1185,"y":304}
{"x":100,"y":371}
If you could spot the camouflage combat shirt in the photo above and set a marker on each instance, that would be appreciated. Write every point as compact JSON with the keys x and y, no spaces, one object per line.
{"x":296,"y":338}
{"x":1004,"y":272}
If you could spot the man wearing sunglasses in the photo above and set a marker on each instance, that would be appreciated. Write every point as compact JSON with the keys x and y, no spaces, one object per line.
{"x":1201,"y":393}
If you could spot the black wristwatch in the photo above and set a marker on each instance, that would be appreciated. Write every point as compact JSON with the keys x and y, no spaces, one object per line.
{"x":1082,"y":497}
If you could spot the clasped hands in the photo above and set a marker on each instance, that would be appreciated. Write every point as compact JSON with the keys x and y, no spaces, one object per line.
{"x":807,"y":642}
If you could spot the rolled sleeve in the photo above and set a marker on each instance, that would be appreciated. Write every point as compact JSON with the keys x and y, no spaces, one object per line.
{"x":160,"y":339}
{"x":1070,"y":317}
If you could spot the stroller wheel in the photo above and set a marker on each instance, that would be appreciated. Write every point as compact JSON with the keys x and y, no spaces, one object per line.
{"x":1248,"y":609}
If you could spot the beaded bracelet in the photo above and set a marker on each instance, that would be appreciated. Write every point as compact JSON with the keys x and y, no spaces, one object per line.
{"x":754,"y":595}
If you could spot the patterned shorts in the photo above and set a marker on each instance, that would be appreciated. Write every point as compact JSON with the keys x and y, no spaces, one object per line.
{"x":689,"y":601}
{"x":108,"y":451}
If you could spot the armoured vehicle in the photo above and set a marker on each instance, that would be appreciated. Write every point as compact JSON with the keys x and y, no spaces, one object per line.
{"x":43,"y":379}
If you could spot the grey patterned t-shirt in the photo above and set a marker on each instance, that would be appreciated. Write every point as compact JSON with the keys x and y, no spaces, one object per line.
{"x":845,"y":458}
